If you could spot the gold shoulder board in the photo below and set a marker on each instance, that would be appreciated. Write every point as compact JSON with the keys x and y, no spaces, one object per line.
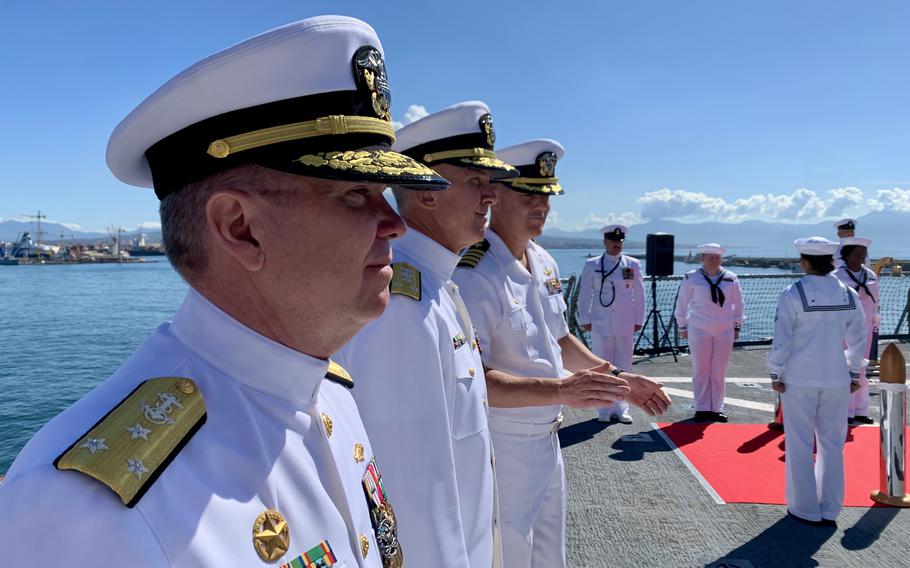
{"x":405,"y":280}
{"x":339,"y":374}
{"x":130,"y":447}
{"x":475,"y":252}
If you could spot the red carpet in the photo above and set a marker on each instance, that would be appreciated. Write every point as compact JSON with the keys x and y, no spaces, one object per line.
{"x":744,"y":463}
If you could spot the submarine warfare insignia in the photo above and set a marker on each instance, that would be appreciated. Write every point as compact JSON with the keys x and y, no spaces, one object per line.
{"x":486,"y":126}
{"x":370,"y":75}
{"x":382,"y":517}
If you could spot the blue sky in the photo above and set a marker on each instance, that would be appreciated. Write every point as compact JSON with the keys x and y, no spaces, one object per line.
{"x":694,"y":110}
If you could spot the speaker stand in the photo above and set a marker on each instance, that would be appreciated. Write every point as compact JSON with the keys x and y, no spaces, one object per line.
{"x":660,"y":332}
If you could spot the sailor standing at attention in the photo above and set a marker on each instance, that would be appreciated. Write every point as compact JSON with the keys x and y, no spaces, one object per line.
{"x":709,"y":311}
{"x":512,"y":291}
{"x":809,"y":366}
{"x":611,"y":305}
{"x":421,"y":389}
{"x":853,"y":273}
{"x":846,"y":228}
{"x":230,"y":438}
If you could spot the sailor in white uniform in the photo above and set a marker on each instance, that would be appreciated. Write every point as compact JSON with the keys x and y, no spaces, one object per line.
{"x":710,"y":311}
{"x":816,"y":317}
{"x":512,"y":290}
{"x":846,"y":228}
{"x":229,"y":438}
{"x":611,"y":305}
{"x":853,"y":273}
{"x":421,"y":389}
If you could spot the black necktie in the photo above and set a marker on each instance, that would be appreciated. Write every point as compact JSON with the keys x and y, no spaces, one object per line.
{"x":860,"y":285}
{"x":717,"y":295}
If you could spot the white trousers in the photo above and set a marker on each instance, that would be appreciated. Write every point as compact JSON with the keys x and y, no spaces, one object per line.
{"x":710,"y":357}
{"x":532,"y":499}
{"x":617,"y":349}
{"x":815,"y":418}
{"x":859,"y":401}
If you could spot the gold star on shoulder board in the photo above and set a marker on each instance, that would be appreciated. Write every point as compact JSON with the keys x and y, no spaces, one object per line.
{"x":271,"y":537}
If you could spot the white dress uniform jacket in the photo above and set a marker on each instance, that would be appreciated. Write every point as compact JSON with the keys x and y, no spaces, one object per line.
{"x":867,"y":287}
{"x":277,"y":436}
{"x":423,"y":399}
{"x":815,"y":317}
{"x":519,"y":317}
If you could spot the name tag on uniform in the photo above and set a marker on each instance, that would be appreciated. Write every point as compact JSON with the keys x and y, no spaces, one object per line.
{"x":554,"y":286}
{"x":627,"y":274}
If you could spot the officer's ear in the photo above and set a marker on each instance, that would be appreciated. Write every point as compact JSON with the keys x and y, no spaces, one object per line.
{"x":426,"y":199}
{"x":230,"y":216}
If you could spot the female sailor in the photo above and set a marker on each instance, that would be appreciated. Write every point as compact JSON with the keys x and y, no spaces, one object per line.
{"x":856,"y":275}
{"x":809,"y":366}
{"x":709,"y":311}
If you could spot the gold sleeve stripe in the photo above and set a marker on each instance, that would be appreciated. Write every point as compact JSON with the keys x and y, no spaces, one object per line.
{"x":325,"y":126}
{"x":532,"y":180}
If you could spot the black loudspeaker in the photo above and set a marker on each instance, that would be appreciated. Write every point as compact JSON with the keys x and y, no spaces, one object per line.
{"x":659,"y":255}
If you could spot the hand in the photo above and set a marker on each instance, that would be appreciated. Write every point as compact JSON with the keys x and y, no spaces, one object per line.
{"x":778,"y":386}
{"x":735,"y":333}
{"x":637,"y":327}
{"x":685,"y":334}
{"x":647,"y":394}
{"x":591,"y":388}
{"x":854,"y":386}
{"x":586,"y":326}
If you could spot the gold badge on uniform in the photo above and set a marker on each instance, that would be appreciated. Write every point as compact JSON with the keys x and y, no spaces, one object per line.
{"x":370,"y":74}
{"x":271,"y":537}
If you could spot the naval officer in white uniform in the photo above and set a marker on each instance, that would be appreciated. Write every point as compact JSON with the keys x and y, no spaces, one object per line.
{"x":611,"y":305}
{"x":816,"y":317}
{"x":710,"y":311}
{"x":421,"y":389}
{"x":229,"y":438}
{"x":853,"y":273}
{"x":512,"y":290}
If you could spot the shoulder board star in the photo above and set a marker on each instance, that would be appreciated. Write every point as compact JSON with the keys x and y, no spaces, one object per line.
{"x":170,"y":407}
{"x":474,"y":254}
{"x":405,"y":280}
{"x":338,"y":374}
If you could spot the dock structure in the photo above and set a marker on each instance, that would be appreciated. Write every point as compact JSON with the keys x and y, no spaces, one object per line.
{"x":634,"y":501}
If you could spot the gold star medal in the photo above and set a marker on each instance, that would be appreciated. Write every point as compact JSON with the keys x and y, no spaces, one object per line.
{"x":271,"y":537}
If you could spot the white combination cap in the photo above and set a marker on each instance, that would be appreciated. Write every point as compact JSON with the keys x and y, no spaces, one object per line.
{"x":846,"y":223}
{"x":309,"y":98}
{"x":815,"y":246}
{"x":461,"y":135}
{"x":710,"y":248}
{"x":536,"y":163}
{"x":614,"y":232}
{"x":855,"y":241}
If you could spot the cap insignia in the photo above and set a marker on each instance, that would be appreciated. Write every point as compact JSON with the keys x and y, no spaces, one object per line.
{"x":370,"y":75}
{"x":486,"y":126}
{"x":547,"y":164}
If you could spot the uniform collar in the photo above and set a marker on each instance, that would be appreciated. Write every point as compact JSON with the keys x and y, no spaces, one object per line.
{"x":244,"y":355}
{"x":429,"y":254}
{"x":505,"y":257}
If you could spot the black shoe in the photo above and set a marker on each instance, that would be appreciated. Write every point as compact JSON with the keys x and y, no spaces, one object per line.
{"x":828,"y":523}
{"x":863,"y":420}
{"x":720,"y":417}
{"x":851,"y":421}
{"x":804,"y":521}
{"x":701,"y":416}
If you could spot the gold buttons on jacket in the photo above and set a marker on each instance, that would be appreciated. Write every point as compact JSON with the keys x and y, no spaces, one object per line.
{"x":472,"y":371}
{"x":364,"y":545}
{"x":327,"y":422}
{"x":358,"y":452}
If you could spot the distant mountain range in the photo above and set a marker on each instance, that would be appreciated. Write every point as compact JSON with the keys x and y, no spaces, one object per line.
{"x":11,"y":229}
{"x":888,"y":230}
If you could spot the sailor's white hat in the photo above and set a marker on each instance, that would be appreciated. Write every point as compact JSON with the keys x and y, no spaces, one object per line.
{"x":309,"y":98}
{"x":855,"y":241}
{"x":710,"y":248}
{"x":615,"y":232}
{"x":815,"y":246}
{"x":461,"y":134}
{"x":845,"y":223}
{"x":536,"y":163}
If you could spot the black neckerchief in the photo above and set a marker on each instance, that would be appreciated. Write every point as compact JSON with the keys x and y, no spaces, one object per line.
{"x":717,"y":295}
{"x":603,"y":277}
{"x":860,"y":285}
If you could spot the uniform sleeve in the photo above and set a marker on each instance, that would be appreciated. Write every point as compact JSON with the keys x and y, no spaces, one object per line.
{"x":638,"y":293}
{"x":875,"y":287}
{"x":855,"y":339}
{"x":483,"y":303}
{"x":782,"y":342}
{"x":65,"y":517}
{"x":683,"y":297}
{"x":406,"y":406}
{"x":585,"y":294}
{"x":739,"y":306}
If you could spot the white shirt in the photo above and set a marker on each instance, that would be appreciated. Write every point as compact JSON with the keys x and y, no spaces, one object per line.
{"x":263,"y":446}
{"x":423,"y":399}
{"x":519,"y":316}
{"x":867,"y":277}
{"x":696,"y":308}
{"x":816,"y":317}
{"x":611,"y":295}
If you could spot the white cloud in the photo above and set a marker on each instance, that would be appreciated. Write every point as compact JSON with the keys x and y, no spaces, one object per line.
{"x":414,"y":112}
{"x":149,"y":226}
{"x":842,"y":199}
{"x":896,"y":199}
{"x":595,"y":221}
